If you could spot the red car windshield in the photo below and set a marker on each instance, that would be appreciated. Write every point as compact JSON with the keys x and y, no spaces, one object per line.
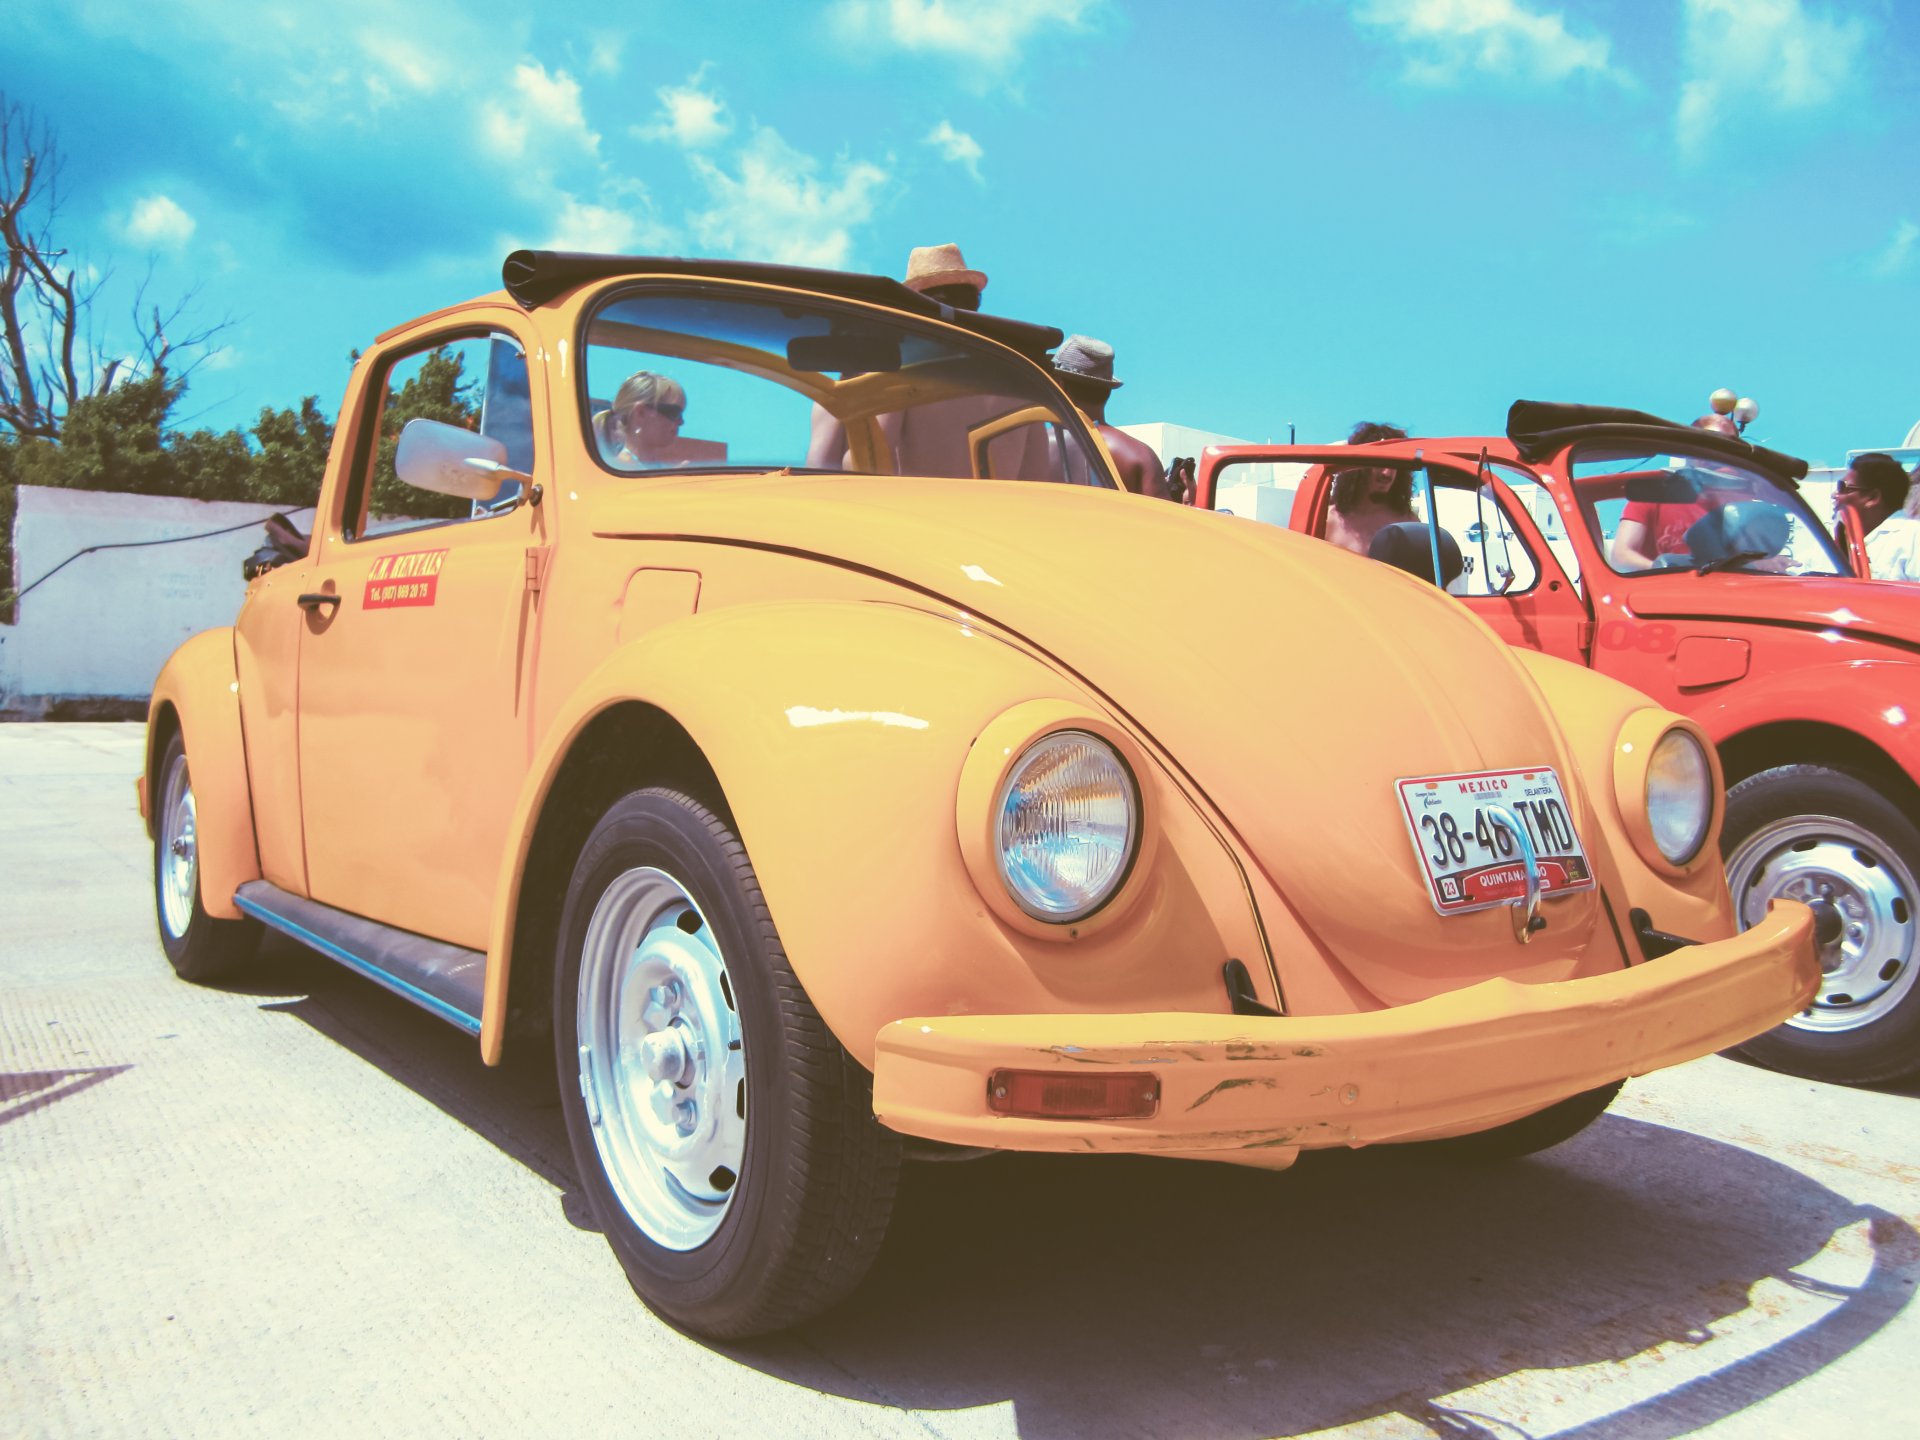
{"x":1667,"y":510}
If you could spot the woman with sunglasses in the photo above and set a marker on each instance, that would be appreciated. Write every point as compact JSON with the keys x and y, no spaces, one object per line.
{"x":647,"y":413}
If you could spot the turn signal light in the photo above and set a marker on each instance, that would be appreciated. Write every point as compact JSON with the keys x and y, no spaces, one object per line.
{"x":1072,"y":1095}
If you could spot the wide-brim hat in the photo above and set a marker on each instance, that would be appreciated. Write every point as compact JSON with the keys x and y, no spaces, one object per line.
{"x":1088,"y":359}
{"x":929,"y":266}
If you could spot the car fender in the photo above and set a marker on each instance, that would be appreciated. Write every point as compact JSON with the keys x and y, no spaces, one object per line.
{"x":1596,"y":712}
{"x":1876,"y":699}
{"x":796,"y":708}
{"x":199,"y":691}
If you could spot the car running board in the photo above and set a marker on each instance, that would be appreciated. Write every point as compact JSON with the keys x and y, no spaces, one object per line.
{"x":438,"y":977}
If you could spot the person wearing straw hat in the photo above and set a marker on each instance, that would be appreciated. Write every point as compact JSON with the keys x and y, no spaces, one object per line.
{"x":1084,"y":368}
{"x":940,"y":273}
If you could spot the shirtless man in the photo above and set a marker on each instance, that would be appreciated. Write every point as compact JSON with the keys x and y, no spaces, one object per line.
{"x":940,"y":273}
{"x":1367,"y":499}
{"x":1084,"y":368}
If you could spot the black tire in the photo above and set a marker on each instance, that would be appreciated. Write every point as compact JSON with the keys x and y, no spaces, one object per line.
{"x":806,"y":1214}
{"x":1531,"y":1133}
{"x":201,"y":949}
{"x":1797,"y":828}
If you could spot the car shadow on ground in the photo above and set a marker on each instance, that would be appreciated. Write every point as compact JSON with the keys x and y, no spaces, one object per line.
{"x":1119,"y":1296}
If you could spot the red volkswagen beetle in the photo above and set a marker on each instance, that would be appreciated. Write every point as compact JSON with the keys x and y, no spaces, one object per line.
{"x":1687,"y":564}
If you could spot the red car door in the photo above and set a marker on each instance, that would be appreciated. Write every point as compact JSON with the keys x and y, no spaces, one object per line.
{"x":1518,"y":575}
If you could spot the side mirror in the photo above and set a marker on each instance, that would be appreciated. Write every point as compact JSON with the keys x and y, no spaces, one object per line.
{"x":450,"y":461}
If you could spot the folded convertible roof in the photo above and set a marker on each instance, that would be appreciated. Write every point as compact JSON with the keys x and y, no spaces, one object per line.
{"x":1537,"y":428}
{"x":533,"y":277}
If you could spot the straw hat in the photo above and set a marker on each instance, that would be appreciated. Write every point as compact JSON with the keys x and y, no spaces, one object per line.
{"x":931,"y":265}
{"x":1085,"y":358}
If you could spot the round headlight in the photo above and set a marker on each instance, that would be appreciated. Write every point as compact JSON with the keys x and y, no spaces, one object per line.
{"x":1679,"y":796}
{"x":1068,"y":821}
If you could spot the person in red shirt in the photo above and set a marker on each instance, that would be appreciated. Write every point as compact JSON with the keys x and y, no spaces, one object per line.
{"x":1650,"y":529}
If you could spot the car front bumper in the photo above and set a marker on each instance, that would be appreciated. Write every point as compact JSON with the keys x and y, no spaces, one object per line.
{"x":1257,"y":1090}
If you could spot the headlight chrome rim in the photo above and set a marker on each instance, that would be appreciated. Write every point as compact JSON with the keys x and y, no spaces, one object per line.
{"x":1001,"y":742}
{"x":1028,"y":889}
{"x":1635,"y":748}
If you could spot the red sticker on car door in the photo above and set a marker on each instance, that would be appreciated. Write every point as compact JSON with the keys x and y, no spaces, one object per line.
{"x":409,"y":579}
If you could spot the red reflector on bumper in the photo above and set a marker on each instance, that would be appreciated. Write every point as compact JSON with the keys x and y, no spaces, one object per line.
{"x":1068,"y":1095}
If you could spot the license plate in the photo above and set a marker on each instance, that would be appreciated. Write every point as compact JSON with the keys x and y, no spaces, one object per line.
{"x":1471,"y":861}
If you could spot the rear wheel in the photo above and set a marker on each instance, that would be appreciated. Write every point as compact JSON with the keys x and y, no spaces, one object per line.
{"x":1810,"y":833}
{"x":725,"y":1140}
{"x":1530,"y":1133}
{"x":201,"y":948}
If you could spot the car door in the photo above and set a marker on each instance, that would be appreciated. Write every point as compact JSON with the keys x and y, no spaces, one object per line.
{"x":418,"y":647}
{"x":1510,"y":573}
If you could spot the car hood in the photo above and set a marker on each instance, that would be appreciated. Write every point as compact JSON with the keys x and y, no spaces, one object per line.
{"x":1291,"y":682}
{"x":1863,"y":609}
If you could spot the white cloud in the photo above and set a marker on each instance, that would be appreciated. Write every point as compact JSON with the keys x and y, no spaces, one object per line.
{"x":1449,"y":38}
{"x":604,"y":51}
{"x":690,"y":116}
{"x":957,"y":146}
{"x":775,"y":206}
{"x":1898,"y":255}
{"x":414,"y":67}
{"x":156,"y":220}
{"x":605,"y":229}
{"x":987,"y":32}
{"x":1764,"y":56}
{"x":543,"y":109}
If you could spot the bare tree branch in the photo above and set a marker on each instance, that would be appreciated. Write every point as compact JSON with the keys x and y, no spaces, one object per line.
{"x":50,"y":353}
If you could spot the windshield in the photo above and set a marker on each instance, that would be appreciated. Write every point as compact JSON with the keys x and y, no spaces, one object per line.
{"x":1657,"y":511}
{"x":683,"y":378}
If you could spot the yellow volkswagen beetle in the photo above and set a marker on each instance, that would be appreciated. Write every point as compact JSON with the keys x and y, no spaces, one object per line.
{"x":755,"y":679}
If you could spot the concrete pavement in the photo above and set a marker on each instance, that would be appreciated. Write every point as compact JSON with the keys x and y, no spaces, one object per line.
{"x":301,"y":1207}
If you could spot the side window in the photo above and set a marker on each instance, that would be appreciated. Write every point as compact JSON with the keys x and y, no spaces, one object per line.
{"x":1258,"y":489}
{"x":1493,"y":559}
{"x":477,"y":382}
{"x":1544,"y":513}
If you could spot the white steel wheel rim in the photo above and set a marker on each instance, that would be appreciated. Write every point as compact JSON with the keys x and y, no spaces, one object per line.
{"x":662,"y":1061}
{"x":179,"y":850}
{"x":1818,"y":857}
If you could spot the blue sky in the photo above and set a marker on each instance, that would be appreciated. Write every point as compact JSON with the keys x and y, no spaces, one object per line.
{"x":1294,"y":212}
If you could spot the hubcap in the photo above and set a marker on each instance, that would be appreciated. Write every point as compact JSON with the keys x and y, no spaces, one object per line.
{"x":1869,"y":955}
{"x":179,"y":853}
{"x":662,"y":1064}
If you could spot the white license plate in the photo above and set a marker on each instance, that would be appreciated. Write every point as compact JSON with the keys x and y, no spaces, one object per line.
{"x":1471,"y":860}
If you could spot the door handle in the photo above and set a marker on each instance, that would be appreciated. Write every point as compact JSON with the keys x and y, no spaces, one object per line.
{"x":315,"y":599}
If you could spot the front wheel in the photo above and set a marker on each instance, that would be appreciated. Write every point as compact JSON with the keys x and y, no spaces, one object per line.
{"x":200,"y":948}
{"x":725,"y":1140}
{"x":1823,"y":836}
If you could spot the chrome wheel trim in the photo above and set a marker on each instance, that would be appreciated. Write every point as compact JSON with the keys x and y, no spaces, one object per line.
{"x":179,"y":847}
{"x":662,"y":1062}
{"x":1817,"y":857}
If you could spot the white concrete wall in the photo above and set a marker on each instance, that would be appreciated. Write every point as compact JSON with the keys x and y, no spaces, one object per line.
{"x":104,"y":625}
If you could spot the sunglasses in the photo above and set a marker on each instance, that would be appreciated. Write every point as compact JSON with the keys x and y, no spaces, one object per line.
{"x":668,"y":410}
